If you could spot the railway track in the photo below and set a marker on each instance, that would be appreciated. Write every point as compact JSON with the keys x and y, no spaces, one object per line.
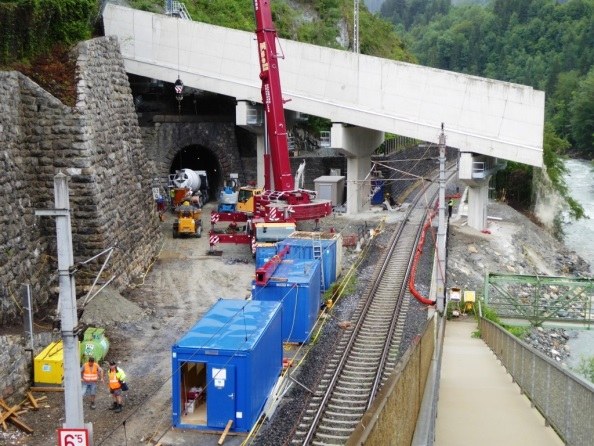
{"x":365,"y":358}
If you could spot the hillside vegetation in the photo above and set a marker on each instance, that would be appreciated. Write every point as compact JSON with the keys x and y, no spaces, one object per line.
{"x":326,"y":23}
{"x":547,"y":44}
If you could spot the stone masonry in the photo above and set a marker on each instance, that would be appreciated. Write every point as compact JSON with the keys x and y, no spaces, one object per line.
{"x":97,"y":144}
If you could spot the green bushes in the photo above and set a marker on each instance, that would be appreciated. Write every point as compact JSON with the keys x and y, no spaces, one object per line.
{"x":32,"y":27}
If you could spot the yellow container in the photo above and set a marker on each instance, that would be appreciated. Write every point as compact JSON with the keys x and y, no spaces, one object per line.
{"x":48,"y":366}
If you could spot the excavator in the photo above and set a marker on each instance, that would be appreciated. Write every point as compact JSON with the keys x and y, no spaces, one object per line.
{"x":286,"y":203}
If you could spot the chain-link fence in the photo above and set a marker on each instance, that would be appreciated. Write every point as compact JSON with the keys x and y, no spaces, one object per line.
{"x":565,"y":401}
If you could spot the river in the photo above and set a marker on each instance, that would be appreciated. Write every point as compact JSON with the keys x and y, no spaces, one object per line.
{"x":579,"y":235}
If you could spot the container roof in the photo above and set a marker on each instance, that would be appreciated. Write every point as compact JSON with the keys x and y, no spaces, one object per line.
{"x":295,"y":271}
{"x":230,"y":324}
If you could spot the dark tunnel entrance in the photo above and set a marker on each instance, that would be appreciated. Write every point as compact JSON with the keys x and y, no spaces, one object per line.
{"x":200,"y":158}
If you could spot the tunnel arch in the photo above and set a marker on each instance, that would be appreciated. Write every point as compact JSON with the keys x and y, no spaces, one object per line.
{"x":202,"y":145}
{"x":198,"y":157}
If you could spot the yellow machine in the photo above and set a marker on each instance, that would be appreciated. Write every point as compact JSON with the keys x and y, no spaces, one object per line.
{"x":188,"y":220}
{"x":245,"y":199}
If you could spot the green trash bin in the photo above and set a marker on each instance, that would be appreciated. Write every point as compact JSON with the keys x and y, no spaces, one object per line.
{"x":94,"y":344}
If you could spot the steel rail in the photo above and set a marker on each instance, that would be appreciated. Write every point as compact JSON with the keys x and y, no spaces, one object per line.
{"x":355,"y":373}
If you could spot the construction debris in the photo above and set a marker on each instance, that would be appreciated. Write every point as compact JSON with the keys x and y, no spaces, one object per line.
{"x":10,"y":414}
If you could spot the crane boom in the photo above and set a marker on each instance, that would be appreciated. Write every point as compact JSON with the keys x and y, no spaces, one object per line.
{"x":283,"y":202}
{"x":272,"y":97}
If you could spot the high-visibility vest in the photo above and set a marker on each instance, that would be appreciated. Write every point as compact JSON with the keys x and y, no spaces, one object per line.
{"x":115,"y":377}
{"x":91,"y":372}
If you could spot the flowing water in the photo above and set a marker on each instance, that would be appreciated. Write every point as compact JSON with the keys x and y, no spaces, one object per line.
{"x":579,"y":235}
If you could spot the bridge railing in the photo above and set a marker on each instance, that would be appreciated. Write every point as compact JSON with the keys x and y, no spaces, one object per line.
{"x":565,"y":401}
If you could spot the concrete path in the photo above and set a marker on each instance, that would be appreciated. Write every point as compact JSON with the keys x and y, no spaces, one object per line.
{"x":478,"y":402}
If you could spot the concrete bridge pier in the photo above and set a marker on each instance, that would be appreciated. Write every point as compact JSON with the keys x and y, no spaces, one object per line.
{"x":357,"y":144}
{"x":476,"y":171}
{"x":478,"y":197}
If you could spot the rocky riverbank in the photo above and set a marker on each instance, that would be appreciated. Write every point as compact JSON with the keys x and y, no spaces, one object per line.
{"x":513,"y":244}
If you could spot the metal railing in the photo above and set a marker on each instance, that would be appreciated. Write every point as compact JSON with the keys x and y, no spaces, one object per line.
{"x":396,"y":144}
{"x":565,"y":401}
{"x":177,"y":9}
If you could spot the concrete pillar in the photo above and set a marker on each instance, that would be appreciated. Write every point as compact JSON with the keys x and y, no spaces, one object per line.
{"x":358,"y":190}
{"x":478,"y":197}
{"x":260,"y":160}
{"x":357,"y":144}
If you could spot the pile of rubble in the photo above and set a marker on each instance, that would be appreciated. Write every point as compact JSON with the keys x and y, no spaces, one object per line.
{"x":551,"y":342}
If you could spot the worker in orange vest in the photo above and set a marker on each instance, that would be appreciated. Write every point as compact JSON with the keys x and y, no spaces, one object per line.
{"x":116,"y":384}
{"x":90,"y":374}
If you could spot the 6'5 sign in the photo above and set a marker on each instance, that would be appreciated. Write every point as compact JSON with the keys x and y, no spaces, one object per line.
{"x":73,"y":437}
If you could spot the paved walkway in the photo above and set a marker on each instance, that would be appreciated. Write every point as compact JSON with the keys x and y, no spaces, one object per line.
{"x":478,"y":402}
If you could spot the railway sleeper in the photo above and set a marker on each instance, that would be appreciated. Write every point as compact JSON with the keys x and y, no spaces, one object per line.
{"x":355,"y":386}
{"x":336,"y":436}
{"x":341,"y":412}
{"x":354,"y":366}
{"x":354,"y":372}
{"x":337,"y":423}
{"x":356,"y":379}
{"x":346,"y":398}
{"x":366,"y":350}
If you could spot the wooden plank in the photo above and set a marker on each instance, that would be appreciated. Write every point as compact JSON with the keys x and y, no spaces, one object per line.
{"x":20,"y":424}
{"x":225,"y":432}
{"x":46,"y":389}
{"x":32,"y":400}
{"x":11,"y":416}
{"x":9,"y":412}
{"x":4,"y":426}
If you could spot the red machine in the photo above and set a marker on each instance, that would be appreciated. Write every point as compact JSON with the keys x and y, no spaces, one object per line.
{"x":285,"y":203}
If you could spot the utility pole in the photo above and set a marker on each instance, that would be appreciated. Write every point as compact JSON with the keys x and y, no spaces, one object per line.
{"x":67,"y":303}
{"x":441,"y":229}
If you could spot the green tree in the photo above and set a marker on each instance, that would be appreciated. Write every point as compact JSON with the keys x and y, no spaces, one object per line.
{"x":559,"y":103}
{"x":582,"y":115}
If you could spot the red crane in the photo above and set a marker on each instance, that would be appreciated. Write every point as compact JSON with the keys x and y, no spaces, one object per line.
{"x":284,"y":203}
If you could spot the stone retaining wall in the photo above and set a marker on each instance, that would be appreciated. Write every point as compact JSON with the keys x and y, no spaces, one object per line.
{"x":98,"y":145}
{"x":16,"y":363}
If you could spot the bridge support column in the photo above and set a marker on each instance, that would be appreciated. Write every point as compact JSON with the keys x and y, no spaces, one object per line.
{"x":476,"y":171}
{"x":357,"y":144}
{"x":358,"y":190}
{"x":260,"y":160}
{"x":478,"y":197}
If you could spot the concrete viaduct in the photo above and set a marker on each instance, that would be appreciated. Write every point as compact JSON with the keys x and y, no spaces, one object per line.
{"x":363,"y":97}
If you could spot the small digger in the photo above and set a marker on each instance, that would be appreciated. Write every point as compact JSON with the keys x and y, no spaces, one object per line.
{"x":188,"y":220}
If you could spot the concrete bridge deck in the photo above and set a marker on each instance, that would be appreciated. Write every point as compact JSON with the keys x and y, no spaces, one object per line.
{"x":484,"y":116}
{"x":478,"y":402}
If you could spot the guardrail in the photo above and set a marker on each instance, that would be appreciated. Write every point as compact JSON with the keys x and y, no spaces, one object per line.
{"x":565,"y":401}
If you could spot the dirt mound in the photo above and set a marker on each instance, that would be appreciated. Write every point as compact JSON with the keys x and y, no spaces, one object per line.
{"x":109,"y":307}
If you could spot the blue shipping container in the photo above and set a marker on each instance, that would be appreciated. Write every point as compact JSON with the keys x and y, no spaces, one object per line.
{"x":264,"y":252}
{"x":302,"y":249}
{"x":296,"y":284}
{"x":225,"y":367}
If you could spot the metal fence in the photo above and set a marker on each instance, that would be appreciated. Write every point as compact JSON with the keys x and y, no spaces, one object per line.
{"x":565,"y":401}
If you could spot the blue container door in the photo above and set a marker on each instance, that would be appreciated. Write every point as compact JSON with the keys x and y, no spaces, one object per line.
{"x":221,"y":395}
